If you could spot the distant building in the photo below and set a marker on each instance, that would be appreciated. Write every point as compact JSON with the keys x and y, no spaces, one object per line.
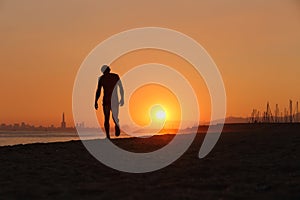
{"x":16,"y":125}
{"x":80,"y":125}
{"x":63,"y":123}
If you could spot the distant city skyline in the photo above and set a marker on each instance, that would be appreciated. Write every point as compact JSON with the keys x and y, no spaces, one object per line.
{"x":271,"y":115}
{"x":24,"y":124}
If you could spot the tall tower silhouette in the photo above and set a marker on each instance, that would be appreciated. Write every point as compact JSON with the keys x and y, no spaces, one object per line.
{"x":63,"y":123}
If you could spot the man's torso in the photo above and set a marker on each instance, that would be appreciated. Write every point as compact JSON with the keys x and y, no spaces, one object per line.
{"x":108,"y":82}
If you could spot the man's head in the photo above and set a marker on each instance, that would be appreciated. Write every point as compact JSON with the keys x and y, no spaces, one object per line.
{"x":105,"y":69}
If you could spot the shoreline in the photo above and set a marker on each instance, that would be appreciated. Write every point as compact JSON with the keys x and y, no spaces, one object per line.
{"x":35,"y":137}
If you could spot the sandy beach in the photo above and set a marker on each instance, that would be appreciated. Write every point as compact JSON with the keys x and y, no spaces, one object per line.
{"x":247,"y":163}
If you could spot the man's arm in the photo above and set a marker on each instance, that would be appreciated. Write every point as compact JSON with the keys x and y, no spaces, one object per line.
{"x":98,"y":93}
{"x":121,"y":92}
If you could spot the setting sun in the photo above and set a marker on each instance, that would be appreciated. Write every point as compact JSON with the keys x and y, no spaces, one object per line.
{"x":153,"y":103}
{"x":160,"y":114}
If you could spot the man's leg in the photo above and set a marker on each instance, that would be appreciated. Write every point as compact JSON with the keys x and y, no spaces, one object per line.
{"x":115,"y":114}
{"x":106,"y":110}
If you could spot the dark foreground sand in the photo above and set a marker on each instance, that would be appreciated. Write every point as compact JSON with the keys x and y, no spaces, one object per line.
{"x":248,"y":162}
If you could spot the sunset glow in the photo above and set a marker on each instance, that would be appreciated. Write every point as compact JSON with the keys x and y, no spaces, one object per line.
{"x":255,"y":45}
{"x":154,"y":103}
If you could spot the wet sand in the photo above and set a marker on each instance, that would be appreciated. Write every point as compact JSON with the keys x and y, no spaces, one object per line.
{"x":248,"y":162}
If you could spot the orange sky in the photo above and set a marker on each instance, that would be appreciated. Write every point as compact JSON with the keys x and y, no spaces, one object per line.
{"x":255,"y":44}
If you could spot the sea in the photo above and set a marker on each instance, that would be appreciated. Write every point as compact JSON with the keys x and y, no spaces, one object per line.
{"x":9,"y":138}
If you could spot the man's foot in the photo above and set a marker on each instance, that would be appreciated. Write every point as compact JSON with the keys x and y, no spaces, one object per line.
{"x":117,"y":129}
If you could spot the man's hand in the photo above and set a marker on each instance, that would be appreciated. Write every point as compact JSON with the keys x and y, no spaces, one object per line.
{"x":122,"y":102}
{"x":96,"y":105}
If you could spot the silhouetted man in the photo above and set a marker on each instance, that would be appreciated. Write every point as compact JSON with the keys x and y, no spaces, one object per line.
{"x":110,"y":83}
